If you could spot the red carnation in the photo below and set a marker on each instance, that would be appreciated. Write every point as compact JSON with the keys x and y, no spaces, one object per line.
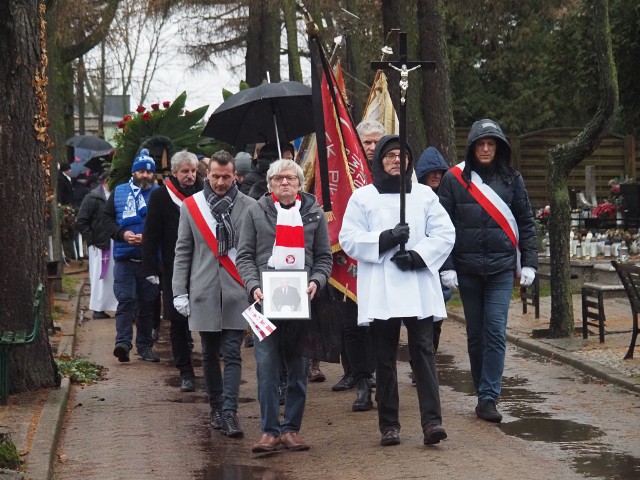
{"x":166,"y":104}
{"x":155,"y":106}
{"x":140,"y":109}
{"x":121,"y":124}
{"x":146,"y":117}
{"x":127,"y":118}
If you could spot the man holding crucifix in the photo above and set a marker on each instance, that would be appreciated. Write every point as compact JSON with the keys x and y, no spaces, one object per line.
{"x":398,"y":285}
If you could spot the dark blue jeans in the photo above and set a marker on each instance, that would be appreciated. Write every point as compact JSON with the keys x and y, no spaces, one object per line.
{"x":485,"y":300}
{"x":269,"y":353}
{"x":222,"y":389}
{"x":135,"y":295}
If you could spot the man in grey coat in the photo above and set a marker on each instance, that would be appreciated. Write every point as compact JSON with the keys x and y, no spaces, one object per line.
{"x":207,"y":287}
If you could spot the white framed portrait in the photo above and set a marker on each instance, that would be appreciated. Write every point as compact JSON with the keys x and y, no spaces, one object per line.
{"x":285,"y":295}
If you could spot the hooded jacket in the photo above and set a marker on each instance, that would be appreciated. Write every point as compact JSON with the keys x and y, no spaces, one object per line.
{"x":384,"y":182}
{"x":482,"y":247}
{"x":430,"y":161}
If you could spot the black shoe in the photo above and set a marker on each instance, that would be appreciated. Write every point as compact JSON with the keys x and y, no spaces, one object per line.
{"x":148,"y":355}
{"x":390,"y":437}
{"x":486,"y":410}
{"x":122,"y":352}
{"x":100,"y":315}
{"x":188,"y":385}
{"x":347,"y":382}
{"x":363,"y":401}
{"x":433,"y":434}
{"x":216,"y":418}
{"x":231,"y":425}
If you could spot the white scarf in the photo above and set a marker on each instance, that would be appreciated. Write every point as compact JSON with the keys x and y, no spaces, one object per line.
{"x":288,"y":248}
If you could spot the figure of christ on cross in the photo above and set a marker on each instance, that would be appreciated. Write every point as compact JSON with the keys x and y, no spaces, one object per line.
{"x":403,"y":66}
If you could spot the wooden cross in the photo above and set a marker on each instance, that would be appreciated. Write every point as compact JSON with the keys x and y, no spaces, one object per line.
{"x":403,"y":66}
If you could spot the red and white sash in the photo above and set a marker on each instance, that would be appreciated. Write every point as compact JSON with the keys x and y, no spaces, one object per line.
{"x":201,"y":214}
{"x":174,"y":193}
{"x":491,"y":202}
{"x":288,"y":248}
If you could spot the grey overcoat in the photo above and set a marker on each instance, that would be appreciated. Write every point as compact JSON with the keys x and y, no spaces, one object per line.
{"x":216,"y":299}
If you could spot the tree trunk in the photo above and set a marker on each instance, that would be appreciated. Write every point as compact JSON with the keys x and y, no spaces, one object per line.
{"x":293,"y":52}
{"x":23,"y":136}
{"x":357,"y":66}
{"x":563,"y":158}
{"x":436,"y":94}
{"x":263,"y":43}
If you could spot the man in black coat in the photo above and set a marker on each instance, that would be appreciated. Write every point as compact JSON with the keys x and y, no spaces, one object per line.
{"x":160,"y":237}
{"x":65,"y":187}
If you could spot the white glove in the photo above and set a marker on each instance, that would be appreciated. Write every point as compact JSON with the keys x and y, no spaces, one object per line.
{"x":154,"y":279}
{"x":449,"y":279}
{"x":181,"y":304}
{"x":527,"y":276}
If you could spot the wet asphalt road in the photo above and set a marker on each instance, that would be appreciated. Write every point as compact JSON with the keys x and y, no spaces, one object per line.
{"x":557,"y":424}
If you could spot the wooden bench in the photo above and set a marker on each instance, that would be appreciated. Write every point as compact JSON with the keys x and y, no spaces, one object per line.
{"x":11,"y":339}
{"x":593,"y":315}
{"x":531,"y":295}
{"x":630,"y":277}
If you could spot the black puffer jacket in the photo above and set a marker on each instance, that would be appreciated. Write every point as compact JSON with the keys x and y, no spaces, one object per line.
{"x":482,"y":247}
{"x":89,"y":220}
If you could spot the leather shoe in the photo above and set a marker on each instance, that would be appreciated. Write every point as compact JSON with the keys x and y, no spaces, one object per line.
{"x":293,"y":441}
{"x":99,"y":315}
{"x":268,"y":443}
{"x":315,"y":374}
{"x":390,"y":437}
{"x":363,"y":401}
{"x":188,"y":385}
{"x":433,"y":434}
{"x":347,"y":382}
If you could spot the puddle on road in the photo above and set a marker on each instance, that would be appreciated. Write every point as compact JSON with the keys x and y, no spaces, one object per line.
{"x":239,"y":472}
{"x":589,"y":459}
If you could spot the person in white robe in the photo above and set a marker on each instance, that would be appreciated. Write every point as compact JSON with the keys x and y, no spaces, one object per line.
{"x":100,"y":247}
{"x":396,"y":287}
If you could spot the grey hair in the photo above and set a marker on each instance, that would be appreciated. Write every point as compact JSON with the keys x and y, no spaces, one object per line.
{"x":183,"y":157}
{"x":369,"y":127}
{"x":279,"y":165}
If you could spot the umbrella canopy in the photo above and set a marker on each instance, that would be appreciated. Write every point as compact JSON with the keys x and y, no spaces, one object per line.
{"x":254,"y":114}
{"x":89,"y":142}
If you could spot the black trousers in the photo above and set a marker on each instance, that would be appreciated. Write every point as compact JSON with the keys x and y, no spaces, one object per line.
{"x":179,"y":332}
{"x":386,"y":337}
{"x":356,"y":343}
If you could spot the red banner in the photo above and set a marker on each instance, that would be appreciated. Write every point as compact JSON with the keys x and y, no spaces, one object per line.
{"x":346,"y":170}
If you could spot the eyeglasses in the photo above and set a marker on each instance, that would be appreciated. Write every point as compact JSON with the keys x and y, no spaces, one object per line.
{"x":393,"y":156}
{"x":281,"y":178}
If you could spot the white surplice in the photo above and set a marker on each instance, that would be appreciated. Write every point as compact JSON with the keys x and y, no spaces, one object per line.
{"x":384,"y":291}
{"x":102,"y":296}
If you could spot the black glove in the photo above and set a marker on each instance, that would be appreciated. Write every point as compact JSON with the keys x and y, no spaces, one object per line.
{"x":403,"y":260}
{"x":394,"y":236}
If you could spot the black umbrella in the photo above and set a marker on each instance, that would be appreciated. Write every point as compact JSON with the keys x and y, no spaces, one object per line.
{"x":271,"y":112}
{"x":89,"y":142}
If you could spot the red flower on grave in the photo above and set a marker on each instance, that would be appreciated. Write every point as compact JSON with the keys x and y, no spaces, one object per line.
{"x":166,"y":104}
{"x":140,"y":109}
{"x":127,"y":118}
{"x":155,"y":106}
{"x":146,"y":116}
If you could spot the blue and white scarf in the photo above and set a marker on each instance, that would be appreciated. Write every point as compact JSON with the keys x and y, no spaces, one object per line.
{"x":135,"y":207}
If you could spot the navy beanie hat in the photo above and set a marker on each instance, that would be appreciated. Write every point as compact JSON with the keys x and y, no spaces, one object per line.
{"x":143,"y":162}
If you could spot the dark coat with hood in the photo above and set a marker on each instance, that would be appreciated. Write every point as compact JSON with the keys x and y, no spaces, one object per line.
{"x":431,"y":160}
{"x":482,"y":247}
{"x":89,"y":221}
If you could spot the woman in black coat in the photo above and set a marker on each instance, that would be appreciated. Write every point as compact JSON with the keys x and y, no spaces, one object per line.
{"x":495,"y":238}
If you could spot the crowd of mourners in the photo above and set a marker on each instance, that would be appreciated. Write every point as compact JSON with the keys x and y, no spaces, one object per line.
{"x":194,"y":251}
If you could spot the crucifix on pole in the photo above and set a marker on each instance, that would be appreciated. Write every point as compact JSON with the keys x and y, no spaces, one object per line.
{"x":403,"y":66}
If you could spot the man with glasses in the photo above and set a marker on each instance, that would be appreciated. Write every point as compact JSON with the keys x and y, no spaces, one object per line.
{"x":399,"y":286}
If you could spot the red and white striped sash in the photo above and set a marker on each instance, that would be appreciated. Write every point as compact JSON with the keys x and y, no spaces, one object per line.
{"x":201,"y":214}
{"x":491,"y":202}
{"x":174,"y":193}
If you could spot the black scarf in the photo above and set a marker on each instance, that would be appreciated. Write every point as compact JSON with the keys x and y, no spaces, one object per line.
{"x":221,"y":210}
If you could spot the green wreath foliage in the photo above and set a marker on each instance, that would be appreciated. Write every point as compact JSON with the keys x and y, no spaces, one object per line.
{"x":162,"y":122}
